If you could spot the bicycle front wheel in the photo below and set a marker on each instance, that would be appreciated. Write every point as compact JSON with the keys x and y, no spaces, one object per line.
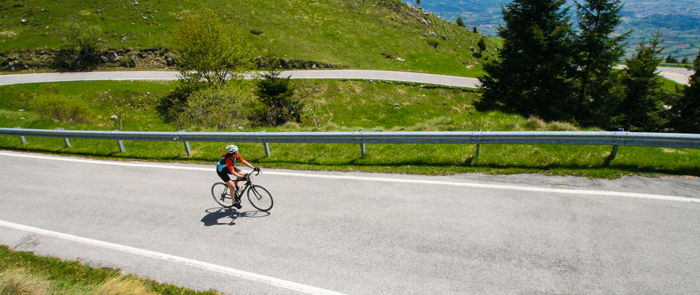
{"x":260,"y":198}
{"x":222,"y":194}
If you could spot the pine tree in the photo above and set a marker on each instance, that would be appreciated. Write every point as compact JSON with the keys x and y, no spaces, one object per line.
{"x":597,"y":52}
{"x":689,"y":107}
{"x":642,"y":105}
{"x":532,"y":74}
{"x":277,"y":94}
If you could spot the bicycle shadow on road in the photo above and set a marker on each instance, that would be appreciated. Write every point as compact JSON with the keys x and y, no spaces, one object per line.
{"x":219,"y":216}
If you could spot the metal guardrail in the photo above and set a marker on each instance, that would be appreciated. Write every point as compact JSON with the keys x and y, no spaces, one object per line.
{"x":617,"y":138}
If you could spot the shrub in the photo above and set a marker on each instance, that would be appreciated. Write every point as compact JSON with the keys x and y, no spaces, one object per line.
{"x":277,"y":95}
{"x":433,"y":43}
{"x":62,"y":108}
{"x":222,"y":107}
{"x":535,"y":123}
{"x":460,"y":22}
{"x":85,"y":38}
{"x":481,"y":44}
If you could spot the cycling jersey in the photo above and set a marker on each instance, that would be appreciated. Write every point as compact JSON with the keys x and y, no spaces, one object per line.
{"x":228,"y":161}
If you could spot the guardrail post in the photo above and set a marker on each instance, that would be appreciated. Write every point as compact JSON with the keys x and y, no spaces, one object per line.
{"x":121,"y":143}
{"x":267,"y":146}
{"x":614,"y":150}
{"x":362,"y":145}
{"x":24,"y":141}
{"x":478,"y":147}
{"x":65,"y":139}
{"x":187,"y":146}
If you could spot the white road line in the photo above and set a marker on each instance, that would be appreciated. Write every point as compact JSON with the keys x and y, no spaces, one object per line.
{"x":161,"y":256}
{"x":381,"y":179}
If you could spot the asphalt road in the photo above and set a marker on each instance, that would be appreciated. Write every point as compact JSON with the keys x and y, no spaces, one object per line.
{"x":678,"y":75}
{"x":359,"y":233}
{"x":312,"y":74}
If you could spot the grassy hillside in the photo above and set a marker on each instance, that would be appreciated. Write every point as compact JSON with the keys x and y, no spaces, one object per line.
{"x":359,"y":34}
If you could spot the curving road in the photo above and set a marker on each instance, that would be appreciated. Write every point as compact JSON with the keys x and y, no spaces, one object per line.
{"x":358,"y":233}
{"x":312,"y":74}
{"x":678,"y":75}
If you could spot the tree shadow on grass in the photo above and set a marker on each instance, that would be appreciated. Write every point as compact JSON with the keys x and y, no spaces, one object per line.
{"x":228,"y":216}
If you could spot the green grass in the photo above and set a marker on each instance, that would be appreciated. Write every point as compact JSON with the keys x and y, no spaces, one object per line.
{"x":26,"y":273}
{"x":345,"y":33}
{"x":342,"y":106}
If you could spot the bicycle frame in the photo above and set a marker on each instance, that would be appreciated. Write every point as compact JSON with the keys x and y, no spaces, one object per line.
{"x":246,"y":186}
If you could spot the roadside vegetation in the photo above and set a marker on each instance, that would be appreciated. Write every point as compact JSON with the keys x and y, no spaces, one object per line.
{"x":333,"y":106}
{"x":27,"y":274}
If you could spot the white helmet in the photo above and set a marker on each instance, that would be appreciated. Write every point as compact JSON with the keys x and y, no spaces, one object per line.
{"x":231,"y":149}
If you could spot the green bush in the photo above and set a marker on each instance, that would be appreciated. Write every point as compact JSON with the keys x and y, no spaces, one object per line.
{"x":62,"y":108}
{"x":460,"y":22}
{"x":83,"y":37}
{"x":277,"y":94}
{"x":225,"y":107}
{"x":433,"y":43}
{"x":535,"y":123}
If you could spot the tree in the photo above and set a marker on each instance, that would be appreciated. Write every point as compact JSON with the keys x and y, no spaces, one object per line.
{"x":85,"y":37}
{"x":642,"y":105}
{"x":689,"y":106}
{"x":596,"y":54}
{"x":418,"y":2}
{"x":481,"y":44}
{"x":277,"y":95}
{"x":460,"y":22}
{"x":532,"y":74}
{"x":210,"y":51}
{"x":474,"y":30}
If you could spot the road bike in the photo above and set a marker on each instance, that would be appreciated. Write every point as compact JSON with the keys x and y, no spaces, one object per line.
{"x":258,"y":196}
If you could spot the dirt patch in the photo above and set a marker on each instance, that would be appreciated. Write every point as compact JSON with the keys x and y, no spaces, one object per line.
{"x":66,"y":60}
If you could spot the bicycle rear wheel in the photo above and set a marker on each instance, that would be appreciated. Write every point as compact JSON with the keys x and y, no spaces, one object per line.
{"x":260,"y":198}
{"x":222,"y":194}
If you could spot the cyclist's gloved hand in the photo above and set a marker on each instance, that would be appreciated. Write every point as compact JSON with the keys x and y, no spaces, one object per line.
{"x":256,"y":169}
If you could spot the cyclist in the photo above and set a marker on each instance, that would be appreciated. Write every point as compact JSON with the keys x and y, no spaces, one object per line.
{"x":227,"y":165}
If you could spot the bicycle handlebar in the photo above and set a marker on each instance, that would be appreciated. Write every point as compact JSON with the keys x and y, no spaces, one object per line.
{"x":257,"y":172}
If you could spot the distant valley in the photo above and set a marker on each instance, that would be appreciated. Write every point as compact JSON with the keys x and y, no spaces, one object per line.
{"x":678,"y":21}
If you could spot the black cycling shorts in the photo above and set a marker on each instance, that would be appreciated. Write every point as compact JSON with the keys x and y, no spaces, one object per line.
{"x":224,"y":175}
